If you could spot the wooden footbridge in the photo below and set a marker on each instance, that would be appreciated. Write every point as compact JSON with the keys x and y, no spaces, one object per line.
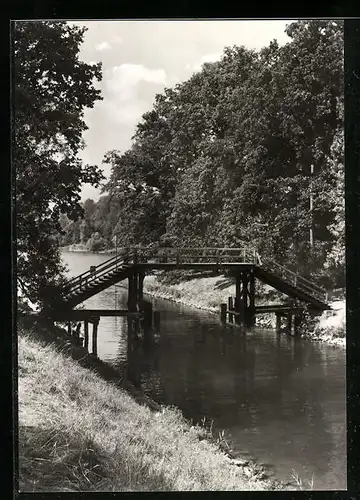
{"x":244,"y":264}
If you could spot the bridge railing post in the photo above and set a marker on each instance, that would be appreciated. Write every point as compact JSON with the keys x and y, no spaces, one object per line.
{"x":135,"y":256}
{"x":217,"y":256}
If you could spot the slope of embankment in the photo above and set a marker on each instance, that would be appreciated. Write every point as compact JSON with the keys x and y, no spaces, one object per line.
{"x":78,"y":432}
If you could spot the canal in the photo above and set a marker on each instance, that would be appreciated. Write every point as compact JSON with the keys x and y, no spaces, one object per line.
{"x":280,"y":400}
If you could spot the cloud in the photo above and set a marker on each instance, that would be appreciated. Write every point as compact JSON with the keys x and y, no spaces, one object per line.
{"x":103,"y":46}
{"x":127,"y":114}
{"x":131,"y":91}
{"x":215,"y":56}
{"x":123,"y":79}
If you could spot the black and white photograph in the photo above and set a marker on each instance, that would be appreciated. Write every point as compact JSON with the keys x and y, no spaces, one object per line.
{"x":180,"y":255}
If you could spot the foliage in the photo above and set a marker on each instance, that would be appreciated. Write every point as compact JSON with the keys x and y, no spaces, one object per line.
{"x":96,"y":243}
{"x":52,"y":89}
{"x":226,"y":156}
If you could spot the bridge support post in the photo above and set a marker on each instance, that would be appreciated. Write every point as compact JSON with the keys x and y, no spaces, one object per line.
{"x":94,"y":335}
{"x":86,"y":334}
{"x":245,"y":298}
{"x":132,"y":292}
{"x":135,"y":289}
{"x":230,"y":303}
{"x":223,"y":313}
{"x":140,"y":285}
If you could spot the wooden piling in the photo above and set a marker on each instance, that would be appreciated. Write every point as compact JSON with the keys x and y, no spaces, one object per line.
{"x":223,"y":313}
{"x":86,"y":334}
{"x":240,"y":309}
{"x":94,"y":336}
{"x":132,"y":292}
{"x":230,"y":303}
{"x":237,"y":288}
{"x":77,"y":334}
{"x":69,"y":327}
{"x":140,"y":286}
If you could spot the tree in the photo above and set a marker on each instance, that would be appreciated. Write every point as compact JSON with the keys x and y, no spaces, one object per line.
{"x":96,"y":243}
{"x":225,"y":157}
{"x":52,"y":89}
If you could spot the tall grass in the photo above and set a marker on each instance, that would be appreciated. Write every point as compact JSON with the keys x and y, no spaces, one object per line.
{"x":78,"y":432}
{"x":309,"y":485}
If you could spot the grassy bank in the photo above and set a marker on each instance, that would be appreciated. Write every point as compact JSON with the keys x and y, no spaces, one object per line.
{"x":209,"y":292}
{"x":78,"y":432}
{"x":331,"y":325}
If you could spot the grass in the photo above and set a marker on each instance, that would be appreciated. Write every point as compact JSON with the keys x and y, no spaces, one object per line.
{"x":204,"y":292}
{"x":299,"y":483}
{"x":78,"y":432}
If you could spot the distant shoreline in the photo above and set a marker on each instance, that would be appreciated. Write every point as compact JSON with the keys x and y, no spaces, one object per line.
{"x":79,"y":247}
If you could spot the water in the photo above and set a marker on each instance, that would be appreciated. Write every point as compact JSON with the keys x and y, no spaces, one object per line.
{"x":281,"y":401}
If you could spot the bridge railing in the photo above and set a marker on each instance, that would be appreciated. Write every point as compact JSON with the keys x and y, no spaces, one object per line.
{"x":294,"y":279}
{"x":93,"y":273}
{"x":184,"y":255}
{"x":170,"y":255}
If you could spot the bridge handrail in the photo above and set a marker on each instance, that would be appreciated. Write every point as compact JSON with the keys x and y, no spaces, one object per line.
{"x":106,"y":262}
{"x":99,"y":271}
{"x":80,"y":283}
{"x":131,"y":255}
{"x":296,"y":279}
{"x":134,"y":252}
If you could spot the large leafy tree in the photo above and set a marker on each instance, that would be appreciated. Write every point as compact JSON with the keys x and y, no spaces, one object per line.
{"x":226,"y":157}
{"x":52,"y":89}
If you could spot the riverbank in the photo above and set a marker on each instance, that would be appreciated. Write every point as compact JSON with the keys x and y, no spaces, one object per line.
{"x":79,"y":432}
{"x":79,"y":247}
{"x":209,"y":292}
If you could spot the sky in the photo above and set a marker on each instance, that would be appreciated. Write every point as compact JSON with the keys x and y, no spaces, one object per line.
{"x":141,"y":58}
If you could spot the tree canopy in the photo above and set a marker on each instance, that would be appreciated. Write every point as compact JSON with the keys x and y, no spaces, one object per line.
{"x":226,"y":156}
{"x":52,"y":87}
